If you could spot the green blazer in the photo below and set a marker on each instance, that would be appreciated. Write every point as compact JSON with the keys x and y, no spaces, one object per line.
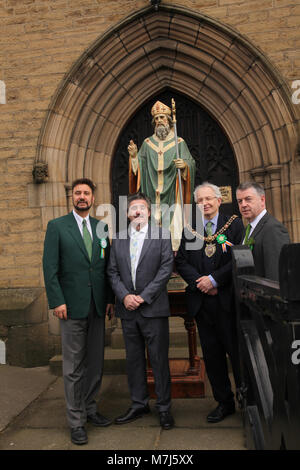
{"x":70,"y":277}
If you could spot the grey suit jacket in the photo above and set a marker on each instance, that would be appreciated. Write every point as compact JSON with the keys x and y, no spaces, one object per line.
{"x":152,"y":274}
{"x":270,"y":235}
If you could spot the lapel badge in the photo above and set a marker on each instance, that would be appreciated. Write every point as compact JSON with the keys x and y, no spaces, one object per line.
{"x":103,"y":245}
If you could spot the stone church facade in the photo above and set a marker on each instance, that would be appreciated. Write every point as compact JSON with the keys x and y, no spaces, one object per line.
{"x":74,"y":73}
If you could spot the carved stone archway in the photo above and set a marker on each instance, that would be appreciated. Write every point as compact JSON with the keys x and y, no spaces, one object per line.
{"x":182,"y":50}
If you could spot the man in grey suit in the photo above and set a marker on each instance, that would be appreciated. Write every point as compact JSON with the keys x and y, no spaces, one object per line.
{"x":264,"y":234}
{"x":139,"y":268}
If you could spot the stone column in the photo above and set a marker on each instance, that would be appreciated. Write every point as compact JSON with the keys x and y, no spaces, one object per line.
{"x":274,"y":173}
{"x":68,"y":187}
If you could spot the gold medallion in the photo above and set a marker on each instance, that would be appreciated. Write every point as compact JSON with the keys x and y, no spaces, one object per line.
{"x":210,"y":249}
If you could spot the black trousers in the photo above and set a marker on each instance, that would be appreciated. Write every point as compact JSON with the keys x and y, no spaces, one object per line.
{"x":140,"y":332}
{"x":218,"y":337}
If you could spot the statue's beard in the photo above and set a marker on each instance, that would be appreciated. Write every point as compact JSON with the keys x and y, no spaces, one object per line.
{"x":162,"y":131}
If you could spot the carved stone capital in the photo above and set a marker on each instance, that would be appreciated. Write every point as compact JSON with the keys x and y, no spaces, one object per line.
{"x":155,"y":3}
{"x":258,"y":174}
{"x":274,"y":171}
{"x":40,"y":172}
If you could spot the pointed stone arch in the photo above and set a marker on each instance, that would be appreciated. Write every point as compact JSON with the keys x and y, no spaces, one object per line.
{"x":190,"y":53}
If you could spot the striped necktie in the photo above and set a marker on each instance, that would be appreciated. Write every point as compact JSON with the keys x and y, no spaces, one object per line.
{"x":87,"y":239}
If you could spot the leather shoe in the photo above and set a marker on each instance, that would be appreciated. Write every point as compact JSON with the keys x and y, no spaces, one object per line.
{"x":166,"y":420}
{"x":79,"y":436}
{"x":219,"y":413}
{"x":98,"y":420}
{"x":132,"y":414}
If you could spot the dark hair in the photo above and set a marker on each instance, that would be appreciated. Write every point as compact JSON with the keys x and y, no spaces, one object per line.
{"x":86,"y":181}
{"x":136,"y":196}
{"x":251,"y":184}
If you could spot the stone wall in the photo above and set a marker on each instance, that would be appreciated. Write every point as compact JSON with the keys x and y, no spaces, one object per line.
{"x":40,"y":42}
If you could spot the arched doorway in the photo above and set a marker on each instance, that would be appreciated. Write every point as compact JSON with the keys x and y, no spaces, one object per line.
{"x":190,"y":54}
{"x":208,"y":144}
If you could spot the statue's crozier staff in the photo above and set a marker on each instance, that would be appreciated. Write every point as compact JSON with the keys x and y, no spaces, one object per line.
{"x":177,"y":155}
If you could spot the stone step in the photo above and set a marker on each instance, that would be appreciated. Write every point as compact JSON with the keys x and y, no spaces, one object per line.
{"x":178,"y":335}
{"x":115,"y":360}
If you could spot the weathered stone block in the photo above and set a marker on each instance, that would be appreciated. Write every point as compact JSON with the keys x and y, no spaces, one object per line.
{"x":27,"y":346}
{"x":24,"y":322}
{"x":23,"y":306}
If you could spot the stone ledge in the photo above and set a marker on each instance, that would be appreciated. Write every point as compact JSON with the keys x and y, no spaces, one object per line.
{"x":114,"y":360}
{"x":178,"y":338}
{"x":24,"y":326}
{"x":20,"y":306}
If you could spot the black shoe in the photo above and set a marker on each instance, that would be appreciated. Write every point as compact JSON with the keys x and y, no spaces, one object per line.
{"x":220,"y":413}
{"x":132,"y":414}
{"x":98,"y":420}
{"x":79,"y":436}
{"x":166,"y":420}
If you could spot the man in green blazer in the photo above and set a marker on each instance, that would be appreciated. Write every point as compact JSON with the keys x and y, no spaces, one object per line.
{"x":76,"y":253}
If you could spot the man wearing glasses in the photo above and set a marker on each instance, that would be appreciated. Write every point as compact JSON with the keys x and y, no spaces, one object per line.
{"x":204,"y":262}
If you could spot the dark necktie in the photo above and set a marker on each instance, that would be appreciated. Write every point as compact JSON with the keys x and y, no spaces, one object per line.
{"x":87,"y":239}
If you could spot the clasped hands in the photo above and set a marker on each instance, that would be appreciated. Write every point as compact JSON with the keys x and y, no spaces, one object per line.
{"x":132,"y":302}
{"x":205,"y":285}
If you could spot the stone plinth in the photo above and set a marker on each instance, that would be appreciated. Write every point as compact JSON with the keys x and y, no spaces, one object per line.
{"x":24,"y":320}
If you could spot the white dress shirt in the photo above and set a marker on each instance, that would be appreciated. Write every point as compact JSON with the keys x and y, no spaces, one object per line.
{"x":79,"y":220}
{"x":139,"y":235}
{"x":255,"y":222}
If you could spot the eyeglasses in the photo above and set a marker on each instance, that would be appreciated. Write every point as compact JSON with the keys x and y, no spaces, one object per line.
{"x":138,"y":207}
{"x":200,"y":200}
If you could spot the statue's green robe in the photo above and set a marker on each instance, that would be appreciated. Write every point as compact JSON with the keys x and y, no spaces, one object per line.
{"x":157,"y":176}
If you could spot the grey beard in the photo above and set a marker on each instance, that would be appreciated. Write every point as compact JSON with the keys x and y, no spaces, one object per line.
{"x":162,"y":131}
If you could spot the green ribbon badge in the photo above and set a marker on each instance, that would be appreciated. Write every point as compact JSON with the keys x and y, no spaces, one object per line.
{"x":221,"y":239}
{"x":250,"y":243}
{"x":103,"y":245}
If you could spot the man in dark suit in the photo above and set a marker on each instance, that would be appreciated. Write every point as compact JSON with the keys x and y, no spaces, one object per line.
{"x":264,"y":234}
{"x":74,"y":262}
{"x":204,"y":262}
{"x":139,"y":268}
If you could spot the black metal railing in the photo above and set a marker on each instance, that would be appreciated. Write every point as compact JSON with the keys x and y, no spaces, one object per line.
{"x":268,"y":320}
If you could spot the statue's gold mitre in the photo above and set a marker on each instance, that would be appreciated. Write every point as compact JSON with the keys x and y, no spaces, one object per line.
{"x":160,"y":108}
